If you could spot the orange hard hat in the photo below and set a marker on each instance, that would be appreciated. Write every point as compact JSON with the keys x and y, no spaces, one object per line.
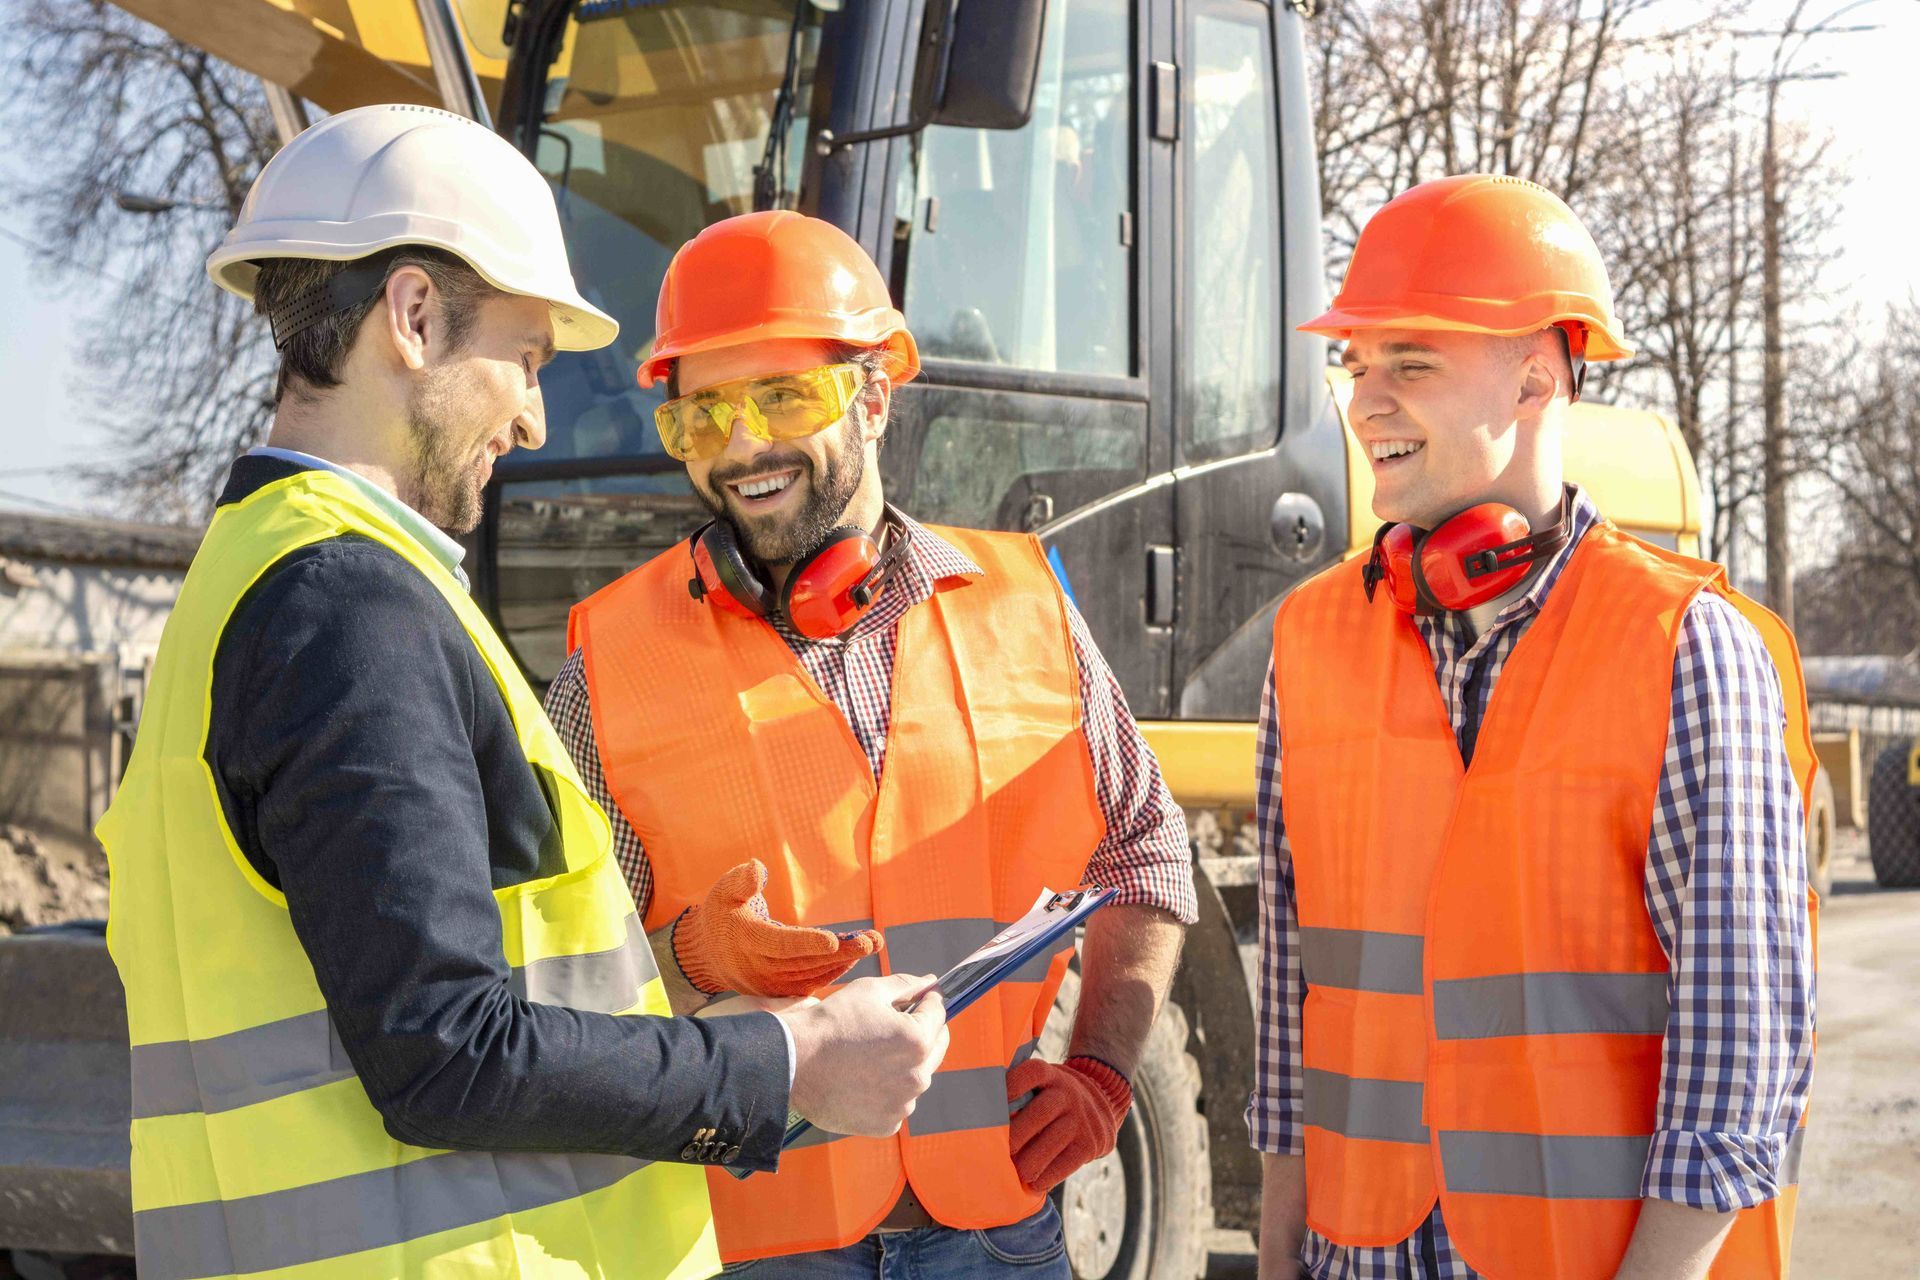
{"x":1477,"y":254}
{"x":778,"y":274}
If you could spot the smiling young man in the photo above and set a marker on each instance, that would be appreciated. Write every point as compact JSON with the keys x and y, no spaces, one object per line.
{"x":1536,"y":987}
{"x":826,"y":731}
{"x":385,"y":987}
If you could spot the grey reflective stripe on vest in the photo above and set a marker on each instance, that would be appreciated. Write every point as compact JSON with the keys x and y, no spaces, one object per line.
{"x":1546,"y":1166}
{"x":599,"y":982}
{"x":1383,"y":1110}
{"x":222,"y":1073}
{"x":1363,"y":960}
{"x":935,"y":946}
{"x":974,"y":1098}
{"x":868,"y":967}
{"x":1560,"y":1167}
{"x":372,"y":1210}
{"x":275,"y":1059}
{"x":1545,"y":1004}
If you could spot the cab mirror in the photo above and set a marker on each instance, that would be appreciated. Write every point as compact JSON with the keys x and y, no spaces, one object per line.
{"x":977,"y":66}
{"x":980,"y":69}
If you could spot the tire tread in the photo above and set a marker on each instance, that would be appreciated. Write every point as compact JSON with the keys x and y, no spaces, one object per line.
{"x":1893,"y":821}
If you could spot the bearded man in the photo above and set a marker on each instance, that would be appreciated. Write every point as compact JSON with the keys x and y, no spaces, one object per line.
{"x":863,"y":741}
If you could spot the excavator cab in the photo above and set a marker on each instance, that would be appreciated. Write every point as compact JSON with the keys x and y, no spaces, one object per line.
{"x":1096,"y":245}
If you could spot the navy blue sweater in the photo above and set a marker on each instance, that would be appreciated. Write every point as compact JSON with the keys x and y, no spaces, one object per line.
{"x":369,"y":768}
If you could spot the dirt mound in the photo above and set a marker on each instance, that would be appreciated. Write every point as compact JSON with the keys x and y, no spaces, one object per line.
{"x":41,"y":886}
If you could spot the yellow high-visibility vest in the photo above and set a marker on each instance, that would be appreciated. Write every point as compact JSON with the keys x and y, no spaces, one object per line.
{"x":255,"y":1148}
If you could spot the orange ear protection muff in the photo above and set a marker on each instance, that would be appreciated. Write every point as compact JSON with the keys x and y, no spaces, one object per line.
{"x":826,"y":591}
{"x":1467,"y":560}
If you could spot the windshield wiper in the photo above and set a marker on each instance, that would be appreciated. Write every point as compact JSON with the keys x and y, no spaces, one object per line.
{"x":770,"y":175}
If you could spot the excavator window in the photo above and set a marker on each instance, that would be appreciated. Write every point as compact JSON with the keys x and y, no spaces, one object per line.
{"x":1230,"y":392}
{"x":1015,"y":247}
{"x":658,"y":120}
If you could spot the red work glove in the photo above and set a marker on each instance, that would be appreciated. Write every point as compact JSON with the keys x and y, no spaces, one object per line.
{"x":1073,"y":1118}
{"x":728,"y":943}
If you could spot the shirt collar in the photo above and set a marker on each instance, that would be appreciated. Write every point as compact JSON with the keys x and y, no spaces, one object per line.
{"x":437,"y":542}
{"x":932,"y":556}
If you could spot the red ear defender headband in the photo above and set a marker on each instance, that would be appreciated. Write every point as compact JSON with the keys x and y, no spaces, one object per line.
{"x":825,"y":593}
{"x":1469,"y":559}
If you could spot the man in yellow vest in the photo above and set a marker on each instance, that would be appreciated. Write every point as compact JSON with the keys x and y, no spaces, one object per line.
{"x":390,"y":1010}
{"x":1536,"y":958}
{"x":831,"y":736}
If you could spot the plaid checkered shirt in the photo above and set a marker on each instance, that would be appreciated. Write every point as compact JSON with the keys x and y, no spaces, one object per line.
{"x":1144,"y":854}
{"x":1725,"y":889}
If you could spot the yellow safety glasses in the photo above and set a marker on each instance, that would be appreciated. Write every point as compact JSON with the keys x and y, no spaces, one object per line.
{"x":775,"y":406}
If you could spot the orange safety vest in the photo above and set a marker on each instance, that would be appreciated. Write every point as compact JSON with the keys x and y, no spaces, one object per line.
{"x":1486,"y":995}
{"x":718,"y":747}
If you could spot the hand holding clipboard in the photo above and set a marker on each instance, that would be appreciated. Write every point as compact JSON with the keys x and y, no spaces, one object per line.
{"x":1052,"y":916}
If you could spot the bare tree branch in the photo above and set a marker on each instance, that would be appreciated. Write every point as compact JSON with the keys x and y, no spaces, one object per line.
{"x":177,"y":372}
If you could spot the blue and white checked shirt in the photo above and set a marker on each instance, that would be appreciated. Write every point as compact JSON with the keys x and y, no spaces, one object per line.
{"x":1725,"y":888}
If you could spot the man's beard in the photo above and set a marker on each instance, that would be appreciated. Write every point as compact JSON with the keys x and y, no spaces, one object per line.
{"x":830,"y":488}
{"x":448,"y":480}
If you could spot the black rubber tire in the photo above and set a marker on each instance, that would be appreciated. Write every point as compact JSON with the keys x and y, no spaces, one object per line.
{"x":1159,"y":1164}
{"x":1893,"y":821}
{"x":1820,"y":828}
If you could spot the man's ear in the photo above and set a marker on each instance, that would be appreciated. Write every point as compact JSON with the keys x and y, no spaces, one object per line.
{"x":1539,"y":385}
{"x":404,"y":307}
{"x":876,"y":401}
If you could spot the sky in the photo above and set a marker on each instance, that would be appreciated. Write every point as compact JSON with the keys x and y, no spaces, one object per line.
{"x":1879,"y":260}
{"x":1873,"y":143}
{"x":38,"y":330}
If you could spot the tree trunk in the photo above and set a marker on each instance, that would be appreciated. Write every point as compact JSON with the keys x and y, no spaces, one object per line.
{"x":1779,"y":554}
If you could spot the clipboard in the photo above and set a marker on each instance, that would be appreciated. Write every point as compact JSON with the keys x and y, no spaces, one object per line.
{"x":1050,"y":918}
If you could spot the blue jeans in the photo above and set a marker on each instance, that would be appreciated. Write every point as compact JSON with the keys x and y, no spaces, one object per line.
{"x":1033,"y":1248}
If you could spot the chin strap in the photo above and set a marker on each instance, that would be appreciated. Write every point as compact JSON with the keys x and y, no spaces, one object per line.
{"x":350,"y":288}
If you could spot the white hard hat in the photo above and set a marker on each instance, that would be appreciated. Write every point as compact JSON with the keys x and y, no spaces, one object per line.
{"x":379,"y":177}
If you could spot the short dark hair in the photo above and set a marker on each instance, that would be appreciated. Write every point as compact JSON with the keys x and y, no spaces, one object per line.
{"x":314,"y":359}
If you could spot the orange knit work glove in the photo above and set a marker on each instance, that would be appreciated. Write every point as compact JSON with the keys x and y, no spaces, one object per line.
{"x":728,"y":943}
{"x":1073,"y":1118}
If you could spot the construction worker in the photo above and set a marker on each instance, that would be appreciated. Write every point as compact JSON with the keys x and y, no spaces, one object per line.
{"x":1536,"y":963}
{"x":831,"y":736}
{"x":374,"y":942}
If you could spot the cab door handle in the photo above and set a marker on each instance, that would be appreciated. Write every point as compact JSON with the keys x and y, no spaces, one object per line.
{"x":1161,"y":595}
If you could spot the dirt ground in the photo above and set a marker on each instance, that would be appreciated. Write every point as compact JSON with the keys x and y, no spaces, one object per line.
{"x":45,"y":886}
{"x":1860,"y":1183}
{"x":1859,"y":1216}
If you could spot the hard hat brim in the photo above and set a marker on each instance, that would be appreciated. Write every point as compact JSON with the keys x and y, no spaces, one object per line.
{"x":1340,"y":323}
{"x":904,"y":354}
{"x":578,"y":325}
